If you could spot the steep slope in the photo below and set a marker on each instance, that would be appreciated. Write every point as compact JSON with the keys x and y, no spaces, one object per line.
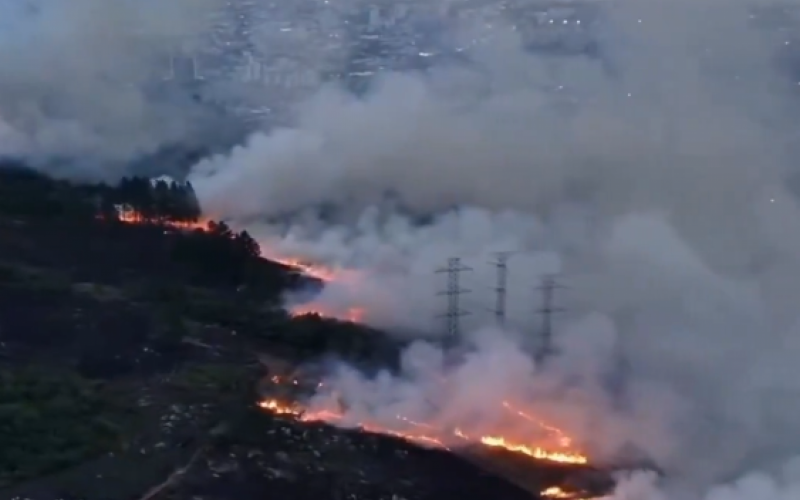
{"x":124,"y":362}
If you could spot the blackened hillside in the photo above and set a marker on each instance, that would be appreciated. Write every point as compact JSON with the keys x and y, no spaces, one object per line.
{"x":132,"y":346}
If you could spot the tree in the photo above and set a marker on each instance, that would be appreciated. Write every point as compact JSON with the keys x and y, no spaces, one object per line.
{"x":219,"y":229}
{"x":248,"y":246}
{"x":190,"y":206}
{"x":163,"y":205}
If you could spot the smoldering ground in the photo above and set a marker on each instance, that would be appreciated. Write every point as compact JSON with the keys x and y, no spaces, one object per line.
{"x":658,"y":189}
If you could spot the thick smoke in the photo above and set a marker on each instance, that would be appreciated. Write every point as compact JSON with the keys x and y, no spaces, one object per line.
{"x":77,"y":80}
{"x":782,"y":484}
{"x":654,"y":179}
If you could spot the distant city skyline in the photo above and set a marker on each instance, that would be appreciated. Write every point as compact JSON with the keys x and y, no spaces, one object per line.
{"x":272,"y":46}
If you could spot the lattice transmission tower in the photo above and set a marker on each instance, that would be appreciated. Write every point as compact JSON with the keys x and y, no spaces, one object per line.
{"x":501,"y":264}
{"x":548,"y":287}
{"x":453,"y":292}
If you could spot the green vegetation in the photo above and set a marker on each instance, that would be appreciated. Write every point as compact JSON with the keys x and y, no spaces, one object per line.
{"x":109,"y":329}
{"x":52,"y":418}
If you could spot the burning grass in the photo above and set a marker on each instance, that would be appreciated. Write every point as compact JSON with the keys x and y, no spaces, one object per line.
{"x":430,"y":435}
{"x":526,"y":463}
{"x":527,"y":466}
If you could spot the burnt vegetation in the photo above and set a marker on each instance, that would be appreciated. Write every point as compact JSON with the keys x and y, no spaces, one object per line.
{"x":132,"y":335}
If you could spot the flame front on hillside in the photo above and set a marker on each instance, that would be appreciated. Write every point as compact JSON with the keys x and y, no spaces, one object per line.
{"x":558,"y":493}
{"x":430,"y":435}
{"x":321,"y":272}
{"x":540,"y":441}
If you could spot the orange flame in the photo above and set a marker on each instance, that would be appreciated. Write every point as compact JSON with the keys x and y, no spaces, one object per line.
{"x":322,"y":273}
{"x":563,"y":439}
{"x":533,"y":451}
{"x":429,"y":435}
{"x":556,"y":492}
{"x":413,"y":430}
{"x":129,"y":215}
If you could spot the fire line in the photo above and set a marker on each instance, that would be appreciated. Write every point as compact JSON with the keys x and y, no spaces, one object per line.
{"x":432,"y":436}
{"x":323,"y":273}
{"x":429,"y":435}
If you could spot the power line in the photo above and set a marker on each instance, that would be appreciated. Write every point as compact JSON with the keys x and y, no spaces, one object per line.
{"x":548,"y":287}
{"x":454,"y":291}
{"x":501,"y":264}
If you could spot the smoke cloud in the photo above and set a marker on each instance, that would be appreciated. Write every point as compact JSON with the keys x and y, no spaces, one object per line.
{"x":782,"y":484}
{"x":78,"y":81}
{"x":655,"y":178}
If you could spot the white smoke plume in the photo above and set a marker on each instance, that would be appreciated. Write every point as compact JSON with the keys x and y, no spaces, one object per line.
{"x":75,"y":79}
{"x":781,"y":484}
{"x":656,"y":180}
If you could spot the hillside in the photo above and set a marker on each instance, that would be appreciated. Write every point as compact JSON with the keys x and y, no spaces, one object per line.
{"x":132,"y":352}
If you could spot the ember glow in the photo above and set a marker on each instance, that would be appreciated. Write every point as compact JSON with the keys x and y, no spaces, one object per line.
{"x":556,"y":492}
{"x":429,"y":435}
{"x":326,"y":274}
{"x":321,"y":272}
{"x":130,"y":216}
{"x":559,"y":446}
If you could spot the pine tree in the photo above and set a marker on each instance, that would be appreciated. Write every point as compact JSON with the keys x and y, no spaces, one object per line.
{"x":162,"y":201}
{"x":190,"y":204}
{"x":143,"y":199}
{"x":247,"y":245}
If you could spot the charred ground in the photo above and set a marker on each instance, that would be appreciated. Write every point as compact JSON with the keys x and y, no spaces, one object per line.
{"x":129,"y":351}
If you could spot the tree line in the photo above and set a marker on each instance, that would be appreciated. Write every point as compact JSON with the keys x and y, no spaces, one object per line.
{"x":141,"y":200}
{"x":29,"y":193}
{"x":211,"y":249}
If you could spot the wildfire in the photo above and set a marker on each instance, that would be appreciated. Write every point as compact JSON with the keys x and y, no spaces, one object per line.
{"x":321,"y":272}
{"x":417,"y":432}
{"x":556,"y":492}
{"x":535,"y":452}
{"x":429,"y":435}
{"x":128,"y":215}
{"x":274,"y":407}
